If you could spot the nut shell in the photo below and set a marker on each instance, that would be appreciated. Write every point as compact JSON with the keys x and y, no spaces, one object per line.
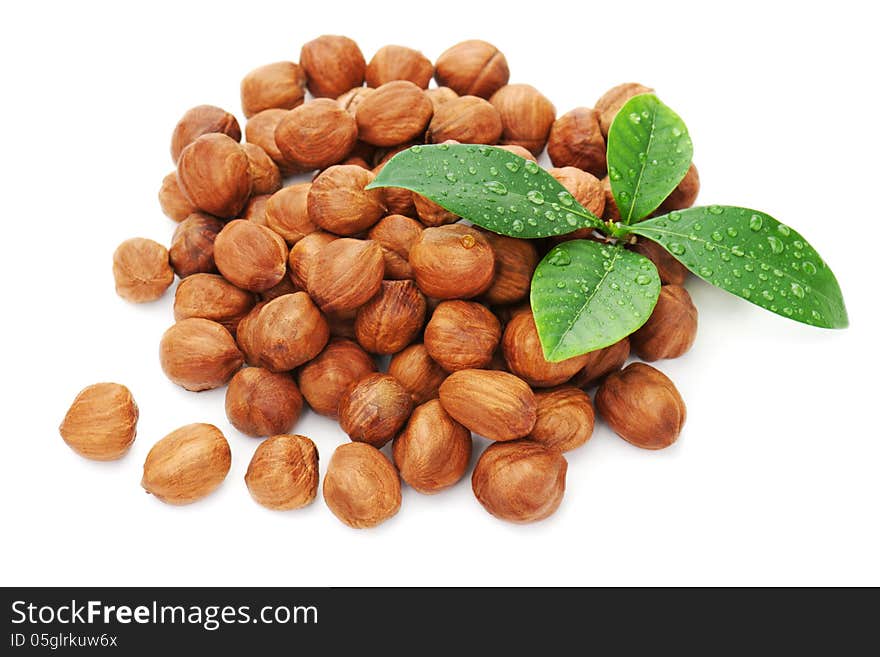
{"x":324,"y":379}
{"x":615,"y":98}
{"x":468,"y":120}
{"x":472,"y":67}
{"x":250,"y":256}
{"x":202,"y":120}
{"x":174,"y":202}
{"x":525,"y":357}
{"x":462,"y":335}
{"x":452,"y":262}
{"x":399,"y":63}
{"x":283,"y":473}
{"x":192,"y":246}
{"x":374,"y":409}
{"x":199,"y":354}
{"x":287,"y":332}
{"x":212,"y":297}
{"x":338,"y":202}
{"x":333,"y":65}
{"x":277,"y":85}
{"x":316,"y":135}
{"x":141,"y":270}
{"x":214,"y":173}
{"x":671,"y":329}
{"x":263,"y":403}
{"x":526,"y":116}
{"x":417,"y":372}
{"x":361,"y":487}
{"x":345,"y":274}
{"x":287,"y":213}
{"x":565,"y":418}
{"x":396,"y":113}
{"x":101,"y":423}
{"x":392,"y":318}
{"x":576,"y":141}
{"x":497,"y":405}
{"x":396,"y":234}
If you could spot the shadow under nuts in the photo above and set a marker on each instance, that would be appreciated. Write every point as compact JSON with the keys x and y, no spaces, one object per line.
{"x":374,"y":409}
{"x":493,"y":404}
{"x":392,"y":318}
{"x":263,"y":403}
{"x":565,"y":418}
{"x":214,"y":173}
{"x":141,"y":270}
{"x":199,"y":354}
{"x":671,"y":329}
{"x":287,"y":332}
{"x":101,"y":423}
{"x":324,"y":379}
{"x":452,"y":262}
{"x":250,"y":256}
{"x":283,"y":473}
{"x":345,"y":274}
{"x":462,"y":335}
{"x":361,"y":486}
{"x":416,"y":371}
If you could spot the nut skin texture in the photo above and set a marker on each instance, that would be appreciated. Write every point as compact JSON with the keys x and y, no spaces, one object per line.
{"x":685,"y":195}
{"x":192,"y":245}
{"x":462,"y":335}
{"x":283,"y":473}
{"x":141,"y":270}
{"x":576,"y":141}
{"x":265,"y":175}
{"x":431,"y":214}
{"x":396,"y":234}
{"x":494,"y":404}
{"x":565,"y":418}
{"x":374,"y":409}
{"x":278,"y":85}
{"x":287,"y":332}
{"x":361,"y":487}
{"x":198,"y":354}
{"x":671,"y":329}
{"x":302,"y":255}
{"x":472,"y":67}
{"x":520,"y":481}
{"x":263,"y":403}
{"x":671,"y":271}
{"x":287,"y":213}
{"x":250,"y":256}
{"x":468,"y":120}
{"x":615,"y":98}
{"x":519,"y":150}
{"x":285,"y":286}
{"x":214,"y":173}
{"x":187,"y":464}
{"x":345,"y":274}
{"x":515,"y":263}
{"x":397,"y":200}
{"x":433,"y":451}
{"x":440,"y":95}
{"x":585,"y":187}
{"x":396,"y":113}
{"x":260,"y":131}
{"x":101,"y":423}
{"x":325,"y":379}
{"x":316,"y":135}
{"x":417,"y":372}
{"x":351,"y":99}
{"x":526,"y":116}
{"x":392,"y":319}
{"x":525,"y":357}
{"x":202,"y":120}
{"x":333,"y":65}
{"x":338,"y":202}
{"x":602,"y":362}
{"x":174,"y":202}
{"x":452,"y":262}
{"x":399,"y":63}
{"x":212,"y":297}
{"x":642,"y":406}
{"x":244,"y":335}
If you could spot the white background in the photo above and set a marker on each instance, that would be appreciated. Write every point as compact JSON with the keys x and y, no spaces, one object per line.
{"x":775,"y":478}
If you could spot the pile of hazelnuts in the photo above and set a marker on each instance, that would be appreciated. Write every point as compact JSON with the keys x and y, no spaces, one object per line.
{"x":378,"y":307}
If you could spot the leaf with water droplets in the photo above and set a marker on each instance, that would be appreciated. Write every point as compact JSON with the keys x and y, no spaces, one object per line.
{"x":577,"y":292}
{"x":490,"y":187}
{"x":756,"y":258}
{"x":649,"y":152}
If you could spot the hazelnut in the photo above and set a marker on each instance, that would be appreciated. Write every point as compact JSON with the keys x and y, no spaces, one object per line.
{"x":565,"y":418}
{"x":324,"y":379}
{"x":333,"y":65}
{"x":433,"y":451}
{"x":284,"y":286}
{"x":525,"y":356}
{"x":283,"y":473}
{"x":392,"y":319}
{"x":338,"y":202}
{"x":302,"y":255}
{"x":494,"y":404}
{"x":202,"y":120}
{"x":397,"y":200}
{"x":417,"y":372}
{"x":287,"y":213}
{"x":685,"y":195}
{"x":515,"y":263}
{"x":174,"y":203}
{"x":244,"y":334}
{"x":452,"y":262}
{"x":671,"y":329}
{"x":265,"y":176}
{"x":615,"y":98}
{"x":212,"y":297}
{"x":255,"y":210}
{"x":214,"y":173}
{"x":102,"y":422}
{"x":279,"y":85}
{"x":262,"y":403}
{"x":671,"y":271}
{"x":431,"y":214}
{"x":260,"y":131}
{"x":611,"y":212}
{"x":356,"y":161}
{"x":642,"y":406}
{"x":374,"y":409}
{"x":187,"y":464}
{"x":576,"y":141}
{"x":526,"y":115}
{"x":399,"y":63}
{"x":192,"y":246}
{"x":518,"y":150}
{"x":250,"y":256}
{"x":472,"y":67}
{"x":199,"y":354}
{"x":316,"y":135}
{"x":396,"y":234}
{"x":361,"y":486}
{"x":462,"y":335}
{"x":440,"y":95}
{"x":345,"y":274}
{"x":602,"y":362}
{"x":585,"y":187}
{"x":141,"y":270}
{"x":520,"y":481}
{"x":396,"y":113}
{"x":342,"y":325}
{"x":467,"y":119}
{"x":287,"y":332}
{"x":351,"y":99}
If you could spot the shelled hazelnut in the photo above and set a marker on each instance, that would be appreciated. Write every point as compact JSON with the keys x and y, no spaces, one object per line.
{"x":440,"y":95}
{"x":452,"y":262}
{"x":671,"y":329}
{"x":431,"y":214}
{"x":255,"y":210}
{"x":612,"y":100}
{"x":174,"y":202}
{"x":302,"y":256}
{"x":280,"y":85}
{"x":263,"y":403}
{"x":283,"y":473}
{"x":192,"y":245}
{"x":325,"y":378}
{"x":361,"y":487}
{"x":602,"y":362}
{"x":101,"y":423}
{"x":351,"y":99}
{"x":199,"y":354}
{"x":526,"y":116}
{"x":397,"y":200}
{"x":265,"y":175}
{"x":338,"y":202}
{"x":497,"y":405}
{"x":396,"y":234}
{"x":518,"y":150}
{"x":202,"y":120}
{"x":214,"y":173}
{"x":398,"y":112}
{"x":467,"y":119}
{"x":260,"y":131}
{"x":141,"y":270}
{"x":565,"y":418}
{"x":585,"y":187}
{"x":333,"y":65}
{"x":462,"y":335}
{"x":685,"y":194}
{"x":287,"y":213}
{"x":374,"y":409}
{"x":399,"y":63}
{"x":392,"y":318}
{"x":671,"y":271}
{"x":472,"y":67}
{"x":416,"y":371}
{"x":316,"y":135}
{"x":576,"y":141}
{"x":345,"y":274}
{"x":287,"y":332}
{"x":250,"y":256}
{"x":284,"y":286}
{"x":244,"y":335}
{"x":525,"y":356}
{"x":515,"y":262}
{"x":212,"y":297}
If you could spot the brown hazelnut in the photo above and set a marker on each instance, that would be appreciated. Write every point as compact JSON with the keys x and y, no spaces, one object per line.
{"x":615,"y":98}
{"x":199,"y":354}
{"x":602,"y":362}
{"x":202,"y":120}
{"x":396,"y":234}
{"x":431,"y":214}
{"x":265,"y":176}
{"x":192,"y":246}
{"x":342,"y":325}
{"x":399,"y":63}
{"x":611,"y":212}
{"x":396,"y":200}
{"x":361,"y":486}
{"x":452,"y":262}
{"x":263,"y":403}
{"x":244,"y":335}
{"x":324,"y":379}
{"x":102,"y":422}
{"x":187,"y":464}
{"x":396,"y":113}
{"x":214,"y":173}
{"x":518,"y":150}
{"x":671,"y":329}
{"x":565,"y":418}
{"x":174,"y":203}
{"x":494,"y":404}
{"x":685,"y":195}
{"x":462,"y":335}
{"x":357,"y":162}
{"x":585,"y":187}
{"x":440,"y":95}
{"x":671,"y":271}
{"x":284,"y":286}
{"x":374,"y":409}
{"x":472,"y":67}
{"x":345,"y":274}
{"x":525,"y":356}
{"x":338,"y":202}
{"x":260,"y":131}
{"x":287,"y":213}
{"x":520,"y":481}
{"x":433,"y":451}
{"x":642,"y":406}
{"x":279,"y":85}
{"x":515,"y":262}
{"x":392,"y":318}
{"x":141,"y":270}
{"x":316,"y":135}
{"x":287,"y":332}
{"x":351,"y":99}
{"x":417,"y":372}
{"x":283,"y":473}
{"x":576,"y":141}
{"x":212,"y":297}
{"x":526,"y":115}
{"x":468,"y":120}
{"x":250,"y":256}
{"x":333,"y":65}
{"x":302,"y":255}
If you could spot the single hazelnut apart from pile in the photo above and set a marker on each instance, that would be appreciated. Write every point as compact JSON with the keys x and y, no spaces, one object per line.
{"x":324,"y":379}
{"x":141,"y":270}
{"x":250,"y":256}
{"x":497,"y":405}
{"x":396,"y":234}
{"x":333,"y":65}
{"x":416,"y":371}
{"x":174,"y":202}
{"x":452,"y":262}
{"x":468,"y":120}
{"x":287,"y":213}
{"x":302,"y":255}
{"x":462,"y":335}
{"x":602,"y":362}
{"x":565,"y":418}
{"x":202,"y":120}
{"x":472,"y":67}
{"x":199,"y":354}
{"x":671,"y":329}
{"x":576,"y":141}
{"x":515,"y":263}
{"x":361,"y":487}
{"x":212,"y":297}
{"x":396,"y":113}
{"x":615,"y":98}
{"x":265,"y":175}
{"x":392,"y":318}
{"x":287,"y":332}
{"x":214,"y":173}
{"x":263,"y":403}
{"x":101,"y":423}
{"x":671,"y":271}
{"x":192,"y":245}
{"x":283,"y":473}
{"x":374,"y":409}
{"x":525,"y":356}
{"x":316,"y":135}
{"x":278,"y":85}
{"x":526,"y":116}
{"x":399,"y":63}
{"x":345,"y":274}
{"x":338,"y":202}
{"x":685,"y":194}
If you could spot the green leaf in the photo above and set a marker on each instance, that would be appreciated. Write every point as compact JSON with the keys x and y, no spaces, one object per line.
{"x":649,"y":152}
{"x":587,"y":295}
{"x":490,"y":187}
{"x":752,"y":255}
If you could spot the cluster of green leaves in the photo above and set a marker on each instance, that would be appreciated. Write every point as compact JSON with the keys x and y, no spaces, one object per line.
{"x":588,"y":294}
